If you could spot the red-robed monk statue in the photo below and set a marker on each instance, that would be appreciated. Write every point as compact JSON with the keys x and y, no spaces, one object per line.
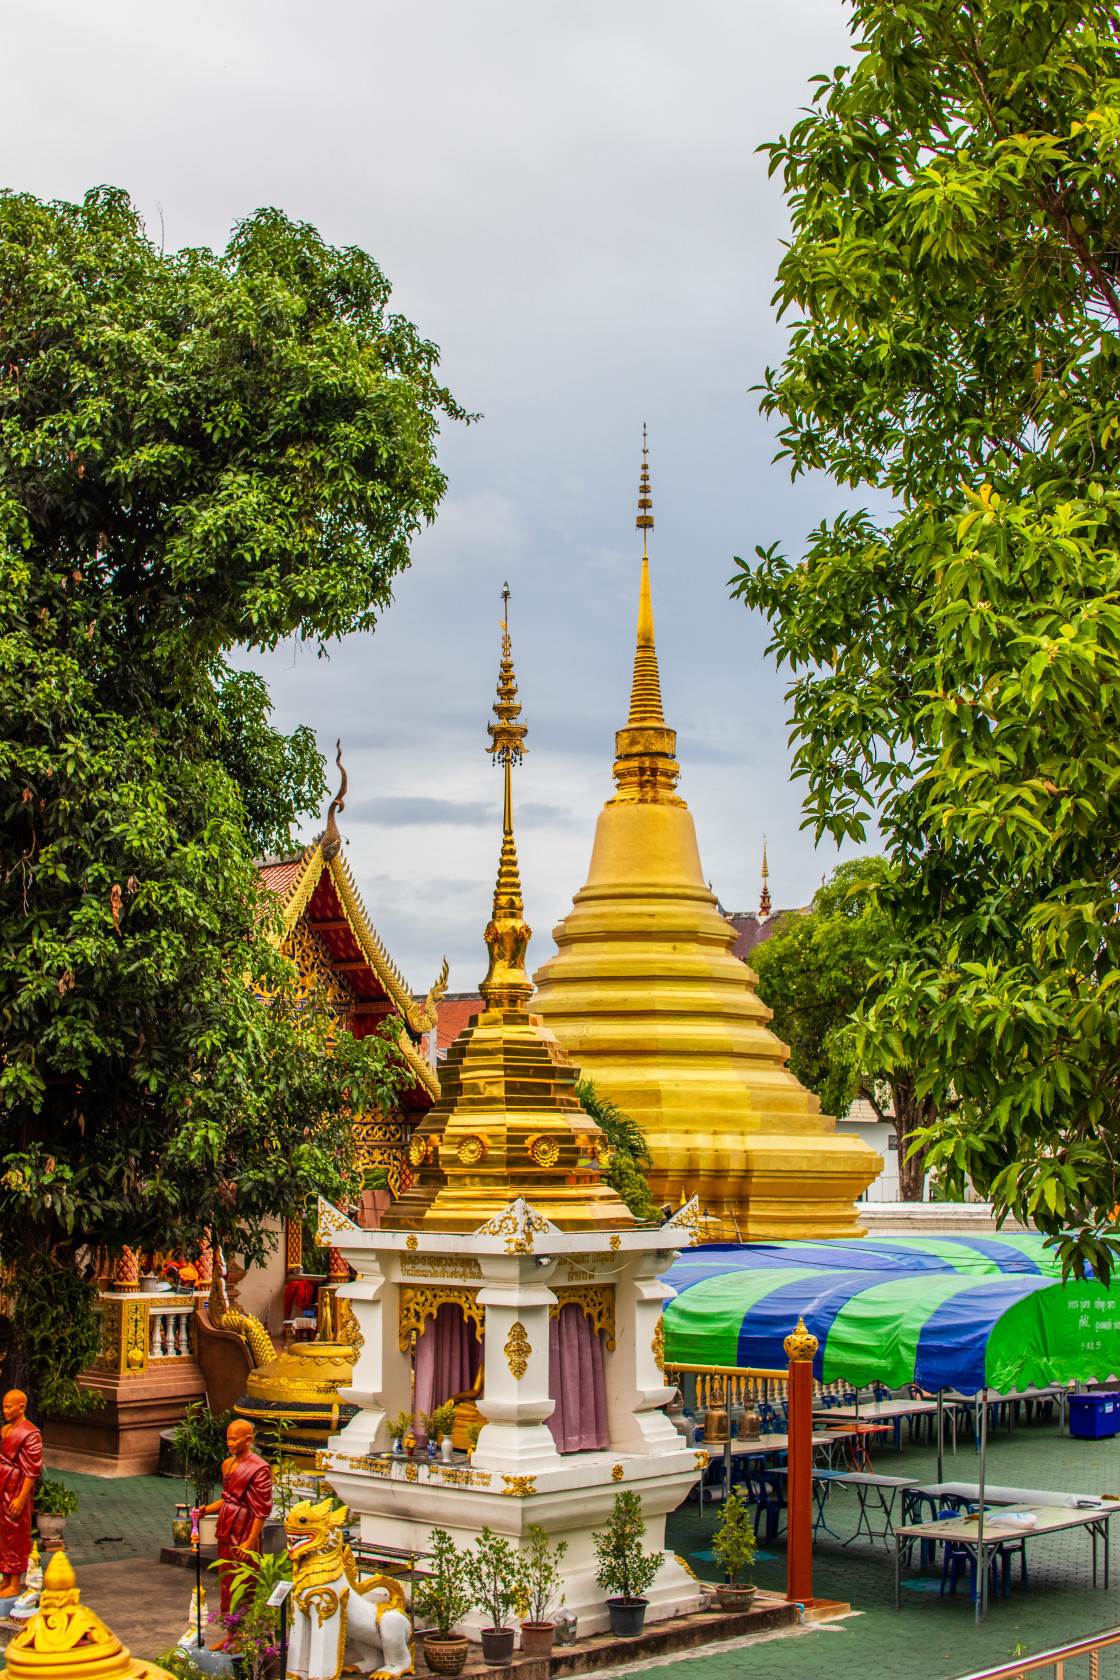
{"x":245,"y":1503}
{"x":21,"y":1460}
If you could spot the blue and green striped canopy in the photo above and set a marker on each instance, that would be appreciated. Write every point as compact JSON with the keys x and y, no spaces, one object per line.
{"x":964,"y":1325}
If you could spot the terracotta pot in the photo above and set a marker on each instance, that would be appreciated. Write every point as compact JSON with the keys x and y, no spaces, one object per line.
{"x":627,"y":1616}
{"x":536,"y":1638}
{"x":735,"y":1598}
{"x":51,"y":1529}
{"x":497,"y":1646}
{"x":444,"y":1656}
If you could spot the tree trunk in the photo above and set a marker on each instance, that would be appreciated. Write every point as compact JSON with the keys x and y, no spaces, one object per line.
{"x":910,"y":1116}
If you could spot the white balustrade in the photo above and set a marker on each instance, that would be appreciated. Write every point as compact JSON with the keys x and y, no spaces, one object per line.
{"x":169,"y":1335}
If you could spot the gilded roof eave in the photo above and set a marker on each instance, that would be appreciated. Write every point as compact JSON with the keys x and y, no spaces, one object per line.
{"x":419,"y":1018}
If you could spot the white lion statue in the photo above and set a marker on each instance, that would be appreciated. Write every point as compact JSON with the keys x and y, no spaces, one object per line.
{"x":334,"y":1624}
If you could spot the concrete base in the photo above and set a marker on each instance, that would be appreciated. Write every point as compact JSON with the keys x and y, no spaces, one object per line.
{"x":121,"y":1438}
{"x":932,"y":1219}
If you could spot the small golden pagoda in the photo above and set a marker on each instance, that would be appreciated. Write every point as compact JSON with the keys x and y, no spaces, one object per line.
{"x":645,"y":994}
{"x":65,"y":1640}
{"x":507,"y":1123}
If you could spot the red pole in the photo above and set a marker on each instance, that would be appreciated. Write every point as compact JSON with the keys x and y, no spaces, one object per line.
{"x":800,"y":1347}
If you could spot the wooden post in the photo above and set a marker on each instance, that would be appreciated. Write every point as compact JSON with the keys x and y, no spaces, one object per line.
{"x":800,"y":1348}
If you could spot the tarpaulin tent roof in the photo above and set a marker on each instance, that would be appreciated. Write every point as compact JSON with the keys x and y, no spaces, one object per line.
{"x":946,"y":1329}
{"x":1018,"y":1251}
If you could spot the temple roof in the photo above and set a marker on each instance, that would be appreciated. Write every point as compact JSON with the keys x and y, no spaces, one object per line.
{"x":317,"y":886}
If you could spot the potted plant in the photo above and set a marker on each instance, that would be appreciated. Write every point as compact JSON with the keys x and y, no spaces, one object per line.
{"x":200,"y":1441}
{"x":251,"y":1625}
{"x":624,"y":1568}
{"x":442,"y":1598}
{"x":538,"y":1591}
{"x":54,"y":1502}
{"x":438,"y":1426}
{"x":492,"y":1574}
{"x":734,"y":1546}
{"x":399,"y":1426}
{"x":472,"y":1432}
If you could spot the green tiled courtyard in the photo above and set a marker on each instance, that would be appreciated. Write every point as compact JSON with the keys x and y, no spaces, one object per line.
{"x":932,"y":1637}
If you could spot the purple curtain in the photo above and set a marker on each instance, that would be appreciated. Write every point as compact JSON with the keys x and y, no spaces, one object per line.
{"x":448,"y":1354}
{"x":576,"y":1382}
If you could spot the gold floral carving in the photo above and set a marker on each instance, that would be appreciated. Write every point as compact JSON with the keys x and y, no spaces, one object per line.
{"x":411,"y":1471}
{"x":416,"y":1304}
{"x":347,"y":1329}
{"x":701,"y":1461}
{"x":332,"y":1223}
{"x":616,"y":1243}
{"x":519,"y":1487}
{"x":472,"y":1149}
{"x":596,"y":1301}
{"x":657,"y":1346}
{"x":517,"y":1351}
{"x":518,"y":1224}
{"x":411,"y":1242}
{"x":687,"y":1224}
{"x":545,"y":1151}
{"x":617,"y":1473}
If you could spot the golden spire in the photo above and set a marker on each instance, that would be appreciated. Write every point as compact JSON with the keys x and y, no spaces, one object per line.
{"x":507,"y":986}
{"x":645,"y":751}
{"x":65,"y":1640}
{"x":764,"y":897}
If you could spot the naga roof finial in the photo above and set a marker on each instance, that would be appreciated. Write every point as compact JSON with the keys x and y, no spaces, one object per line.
{"x":332,"y":839}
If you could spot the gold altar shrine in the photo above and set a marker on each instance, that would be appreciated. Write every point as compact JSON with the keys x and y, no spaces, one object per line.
{"x":646,"y":996}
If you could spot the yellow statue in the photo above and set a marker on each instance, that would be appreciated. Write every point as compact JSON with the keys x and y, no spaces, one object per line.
{"x":333,"y":1626}
{"x":65,"y":1641}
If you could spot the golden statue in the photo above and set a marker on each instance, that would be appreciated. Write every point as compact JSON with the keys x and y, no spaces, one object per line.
{"x":66,"y":1641}
{"x":646,"y":996}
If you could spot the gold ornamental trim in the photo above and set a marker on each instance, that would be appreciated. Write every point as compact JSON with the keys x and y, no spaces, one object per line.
{"x":417,"y":1304}
{"x":616,"y":1243}
{"x":519,"y":1487}
{"x":702,"y":1460}
{"x":657,"y":1346}
{"x":595,"y":1300}
{"x":517,"y":1351}
{"x":617,"y":1473}
{"x":473,"y":1148}
{"x":544,"y":1150}
{"x":461,"y":1266}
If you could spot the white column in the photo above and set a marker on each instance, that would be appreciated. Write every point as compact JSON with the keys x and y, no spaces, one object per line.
{"x":515,"y":1401}
{"x":381,"y":1375}
{"x":636,"y":1388}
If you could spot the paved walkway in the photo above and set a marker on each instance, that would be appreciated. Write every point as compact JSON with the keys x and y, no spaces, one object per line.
{"x":931,"y":1638}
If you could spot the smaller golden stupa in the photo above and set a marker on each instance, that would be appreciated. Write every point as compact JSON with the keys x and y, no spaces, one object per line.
{"x":65,"y":1640}
{"x":508,"y":1123}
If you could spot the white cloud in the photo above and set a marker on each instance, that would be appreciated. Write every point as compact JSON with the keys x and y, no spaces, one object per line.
{"x":569,"y":199}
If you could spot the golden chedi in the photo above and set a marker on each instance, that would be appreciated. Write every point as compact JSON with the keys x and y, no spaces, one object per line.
{"x":646,"y":996}
{"x":508,"y":1123}
{"x":65,"y":1640}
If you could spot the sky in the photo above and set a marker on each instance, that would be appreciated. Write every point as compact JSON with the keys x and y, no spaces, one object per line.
{"x":569,"y":200}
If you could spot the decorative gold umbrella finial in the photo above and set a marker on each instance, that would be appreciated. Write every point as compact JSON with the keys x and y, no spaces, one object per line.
{"x":764,"y":896}
{"x":644,"y":521}
{"x":507,"y":986}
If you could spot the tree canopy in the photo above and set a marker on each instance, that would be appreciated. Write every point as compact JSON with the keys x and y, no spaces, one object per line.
{"x":816,"y":971}
{"x":953,"y":278}
{"x":198,"y":452}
